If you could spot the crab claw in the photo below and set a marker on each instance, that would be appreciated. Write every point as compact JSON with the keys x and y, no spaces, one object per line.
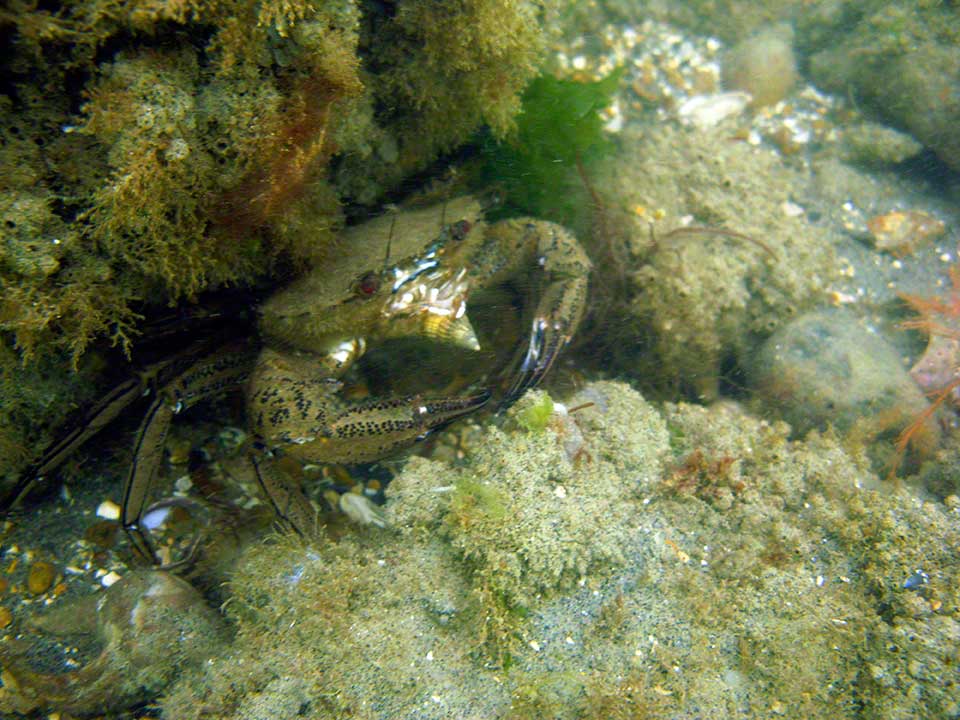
{"x":362,"y":432}
{"x":558,"y":315}
{"x":370,"y":430}
{"x":544,"y":346}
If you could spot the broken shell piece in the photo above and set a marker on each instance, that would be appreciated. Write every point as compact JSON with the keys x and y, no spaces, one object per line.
{"x":707,"y":111}
{"x":361,"y":510}
{"x":902,"y":232}
{"x":108,"y":510}
{"x":110,"y":578}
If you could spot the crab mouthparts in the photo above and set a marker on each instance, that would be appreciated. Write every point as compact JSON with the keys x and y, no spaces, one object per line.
{"x":433,"y":305}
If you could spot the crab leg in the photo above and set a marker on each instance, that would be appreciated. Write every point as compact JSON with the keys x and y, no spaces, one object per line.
{"x":292,"y":507}
{"x":93,"y":421}
{"x":105,"y":411}
{"x":304,"y":414}
{"x":214,"y":375}
{"x":101,"y":415}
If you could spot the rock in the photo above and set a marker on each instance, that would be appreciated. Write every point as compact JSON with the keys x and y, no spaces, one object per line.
{"x":824,"y":368}
{"x":898,"y":62}
{"x":874,"y":144}
{"x":40,"y":577}
{"x":150,"y":626}
{"x":762,"y":65}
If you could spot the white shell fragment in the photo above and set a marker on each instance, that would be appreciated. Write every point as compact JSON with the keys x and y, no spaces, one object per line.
{"x":707,"y":111}
{"x":791,"y":209}
{"x":361,"y":510}
{"x":156,"y":517}
{"x":108,"y":510}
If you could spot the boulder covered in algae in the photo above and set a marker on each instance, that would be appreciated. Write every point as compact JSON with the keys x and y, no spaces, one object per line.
{"x":697,"y":563}
{"x":825,"y":368}
{"x":144,"y":629}
{"x":900,"y":58}
{"x":159,"y":150}
{"x":712,"y":263}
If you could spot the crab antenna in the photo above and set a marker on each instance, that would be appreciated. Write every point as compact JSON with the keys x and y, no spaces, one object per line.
{"x":393,"y":222}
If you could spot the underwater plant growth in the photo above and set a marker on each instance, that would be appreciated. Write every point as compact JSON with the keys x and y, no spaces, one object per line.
{"x":690,"y":516}
{"x":540,"y":167}
{"x":163,"y":150}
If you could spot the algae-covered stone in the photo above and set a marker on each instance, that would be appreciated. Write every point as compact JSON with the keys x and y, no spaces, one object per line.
{"x":698,"y":300}
{"x":762,"y":65}
{"x":533,"y":518}
{"x":535,"y":509}
{"x":373,"y":621}
{"x":150,"y":626}
{"x":900,"y":58}
{"x":825,"y":368}
{"x":871,"y":144}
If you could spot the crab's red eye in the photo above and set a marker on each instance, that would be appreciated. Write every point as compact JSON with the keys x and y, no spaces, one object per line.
{"x":460,"y":229}
{"x":368,"y":284}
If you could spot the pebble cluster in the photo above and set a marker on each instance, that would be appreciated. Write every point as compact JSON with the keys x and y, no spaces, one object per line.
{"x":670,"y":76}
{"x":678,"y":77}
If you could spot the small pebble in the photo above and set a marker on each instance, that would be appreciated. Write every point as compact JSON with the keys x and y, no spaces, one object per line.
{"x":108,"y":510}
{"x":763,"y":66}
{"x":179,"y":451}
{"x":40,"y":577}
{"x":903,"y":231}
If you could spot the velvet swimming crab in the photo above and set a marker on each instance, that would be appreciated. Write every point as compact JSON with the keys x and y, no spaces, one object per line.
{"x":406,"y":273}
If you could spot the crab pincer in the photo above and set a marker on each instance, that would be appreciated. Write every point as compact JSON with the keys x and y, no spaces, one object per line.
{"x":561,"y":298}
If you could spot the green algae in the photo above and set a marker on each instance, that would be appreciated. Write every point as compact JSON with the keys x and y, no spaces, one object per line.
{"x":534,"y":411}
{"x":471,"y":498}
{"x":559,"y":133}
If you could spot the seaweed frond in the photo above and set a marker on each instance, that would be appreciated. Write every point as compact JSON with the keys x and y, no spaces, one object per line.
{"x":559,"y":133}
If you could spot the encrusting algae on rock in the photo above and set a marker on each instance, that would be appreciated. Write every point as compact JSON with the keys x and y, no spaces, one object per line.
{"x":771,"y":580}
{"x":145,"y":629}
{"x":189,"y":146}
{"x":531,"y":517}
